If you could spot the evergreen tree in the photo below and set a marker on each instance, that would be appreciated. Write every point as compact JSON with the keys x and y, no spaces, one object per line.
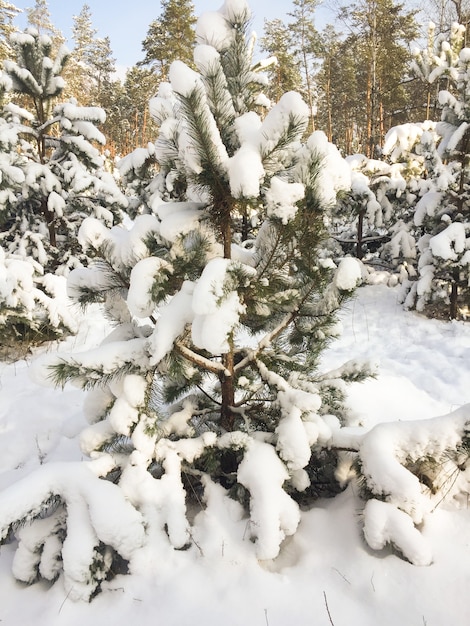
{"x":103,"y":67}
{"x":222,"y":305}
{"x":79,"y":72}
{"x":360,"y":218}
{"x":209,"y":385}
{"x":431,"y":65}
{"x":170,"y":37}
{"x":140,"y":84}
{"x":381,"y":31}
{"x":7,"y":13}
{"x":63,"y":177}
{"x":430,"y":235}
{"x":443,"y":212}
{"x":128,"y":123}
{"x":307,"y":46}
{"x":83,"y":35}
{"x":284,"y":74}
{"x":39,"y":17}
{"x":339,"y":96}
{"x":52,"y":177}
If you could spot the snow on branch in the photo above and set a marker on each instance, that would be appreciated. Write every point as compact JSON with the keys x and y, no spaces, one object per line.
{"x":88,"y":500}
{"x":406,"y":467}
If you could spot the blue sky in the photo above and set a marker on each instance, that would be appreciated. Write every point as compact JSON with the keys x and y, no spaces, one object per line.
{"x":126,"y":21}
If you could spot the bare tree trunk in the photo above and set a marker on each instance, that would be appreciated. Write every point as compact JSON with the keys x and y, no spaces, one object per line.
{"x":382,"y":122}
{"x":144,"y":128}
{"x":369,"y":137}
{"x":454,"y":293}
{"x":328,"y":102}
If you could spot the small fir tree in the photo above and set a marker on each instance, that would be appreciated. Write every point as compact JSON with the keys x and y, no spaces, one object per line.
{"x":63,"y":176}
{"x":52,"y":178}
{"x":360,"y":218}
{"x":443,"y":212}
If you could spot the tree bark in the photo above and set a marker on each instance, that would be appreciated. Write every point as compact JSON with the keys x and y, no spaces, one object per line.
{"x":454,"y":292}
{"x":360,"y":229}
{"x":49,"y":218}
{"x":227,"y":416}
{"x":226,"y":378}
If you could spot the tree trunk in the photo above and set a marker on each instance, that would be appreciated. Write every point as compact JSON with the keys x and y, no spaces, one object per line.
{"x":144,"y":128}
{"x":49,"y":218}
{"x":382,"y":123}
{"x":360,"y":228}
{"x":328,"y":102}
{"x":227,"y":386}
{"x":226,"y":378}
{"x":369,"y":137}
{"x":454,"y":292}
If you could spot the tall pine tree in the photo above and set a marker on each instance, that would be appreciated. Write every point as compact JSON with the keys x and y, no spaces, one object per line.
{"x":171,"y":36}
{"x":284,"y":74}
{"x":380,"y":34}
{"x":7,"y":13}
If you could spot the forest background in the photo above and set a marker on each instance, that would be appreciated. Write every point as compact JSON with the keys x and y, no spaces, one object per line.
{"x":349,"y":60}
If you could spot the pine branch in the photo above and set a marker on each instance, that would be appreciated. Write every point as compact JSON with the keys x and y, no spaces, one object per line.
{"x":88,"y":377}
{"x":268,"y":339}
{"x":201,"y":361}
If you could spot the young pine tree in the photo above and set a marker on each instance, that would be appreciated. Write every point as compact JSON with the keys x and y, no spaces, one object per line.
{"x":222,"y":306}
{"x":52,"y":178}
{"x":443,"y":212}
{"x":63,"y":172}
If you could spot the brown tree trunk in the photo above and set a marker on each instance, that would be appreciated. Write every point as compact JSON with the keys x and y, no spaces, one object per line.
{"x":226,"y":378}
{"x":328,"y":102}
{"x":49,"y":217}
{"x":382,"y":122}
{"x":369,"y":137}
{"x":144,"y":128}
{"x":227,"y":386}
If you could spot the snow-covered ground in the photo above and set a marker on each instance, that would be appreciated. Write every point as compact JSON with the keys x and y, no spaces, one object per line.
{"x":325,"y":574}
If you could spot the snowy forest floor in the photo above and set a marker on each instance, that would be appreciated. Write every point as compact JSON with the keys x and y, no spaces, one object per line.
{"x":325,"y":574}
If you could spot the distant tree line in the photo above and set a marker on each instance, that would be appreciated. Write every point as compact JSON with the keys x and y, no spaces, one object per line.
{"x":354,"y":75}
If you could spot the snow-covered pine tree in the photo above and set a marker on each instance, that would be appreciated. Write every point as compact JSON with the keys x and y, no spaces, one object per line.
{"x":222,"y":304}
{"x":52,"y":178}
{"x":30,"y":301}
{"x":411,"y":170}
{"x":363,"y":214}
{"x":138,"y":179}
{"x":443,"y":212}
{"x":64,"y":179}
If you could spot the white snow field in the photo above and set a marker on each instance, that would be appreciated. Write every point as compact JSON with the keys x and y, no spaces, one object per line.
{"x":325,"y":573}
